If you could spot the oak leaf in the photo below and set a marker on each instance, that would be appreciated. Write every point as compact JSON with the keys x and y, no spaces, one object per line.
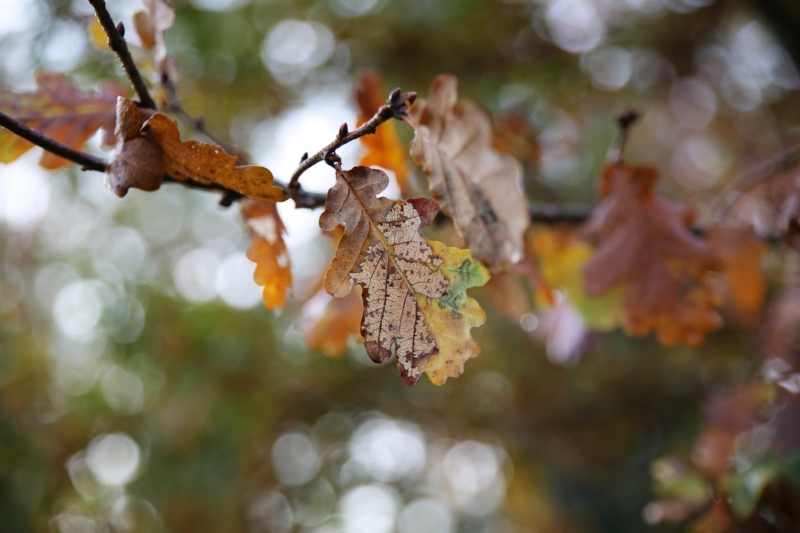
{"x":137,"y":160}
{"x":646,"y":247}
{"x":60,"y":111}
{"x":268,"y":251}
{"x":414,"y":290}
{"x":561,"y":256}
{"x":208,"y":163}
{"x":478,"y":187}
{"x":151,"y":25}
{"x":744,"y":287}
{"x":329,"y":328}
{"x":383,"y":147}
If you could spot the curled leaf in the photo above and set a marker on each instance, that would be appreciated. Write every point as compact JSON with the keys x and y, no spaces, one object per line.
{"x":414,"y":290}
{"x":383,"y":147}
{"x":645,"y":246}
{"x":268,"y":251}
{"x":479,"y":187}
{"x":60,"y":111}
{"x":209,"y":164}
{"x":137,"y":160}
{"x":151,"y":25}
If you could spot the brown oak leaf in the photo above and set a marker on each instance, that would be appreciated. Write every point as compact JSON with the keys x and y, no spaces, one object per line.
{"x":383,"y":147}
{"x":414,"y":290}
{"x":151,"y":25}
{"x":60,"y":111}
{"x":137,"y":160}
{"x":645,"y":246}
{"x":268,"y":251}
{"x":479,"y":187}
{"x":209,"y":164}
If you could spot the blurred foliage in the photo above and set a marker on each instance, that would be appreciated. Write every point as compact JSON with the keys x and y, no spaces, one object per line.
{"x":144,"y":388}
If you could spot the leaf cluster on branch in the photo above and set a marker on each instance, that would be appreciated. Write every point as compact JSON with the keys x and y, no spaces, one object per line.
{"x":634,"y":260}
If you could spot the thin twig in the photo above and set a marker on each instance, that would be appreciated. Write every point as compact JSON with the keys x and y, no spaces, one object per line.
{"x":383,"y":114}
{"x":117,"y":43}
{"x":785,"y":160}
{"x":86,"y":161}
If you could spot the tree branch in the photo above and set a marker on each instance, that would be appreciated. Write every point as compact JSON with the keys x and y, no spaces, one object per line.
{"x":117,"y":43}
{"x":397,"y":107}
{"x":86,"y":161}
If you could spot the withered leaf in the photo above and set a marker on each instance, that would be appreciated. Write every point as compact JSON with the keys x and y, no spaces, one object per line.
{"x":414,"y":290}
{"x":329,"y":329}
{"x":137,"y":160}
{"x":646,"y":247}
{"x":60,"y":111}
{"x":151,"y":25}
{"x":383,"y":147}
{"x":744,"y":287}
{"x":479,"y":187}
{"x":268,"y":251}
{"x":209,"y":164}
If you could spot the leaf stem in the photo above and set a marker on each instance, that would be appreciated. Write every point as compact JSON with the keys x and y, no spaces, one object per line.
{"x":86,"y":161}
{"x":117,"y":43}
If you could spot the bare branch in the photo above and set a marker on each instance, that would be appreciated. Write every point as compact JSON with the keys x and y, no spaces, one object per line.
{"x":120,"y":47}
{"x":86,"y":161}
{"x":398,"y":106}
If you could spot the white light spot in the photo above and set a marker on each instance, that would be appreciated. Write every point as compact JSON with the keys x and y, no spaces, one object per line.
{"x":388,"y":450}
{"x":369,"y":509}
{"x":234,"y":282}
{"x":575,"y":25}
{"x":113,"y":458}
{"x":425,"y":516}
{"x":295,"y":458}
{"x":194,"y":275}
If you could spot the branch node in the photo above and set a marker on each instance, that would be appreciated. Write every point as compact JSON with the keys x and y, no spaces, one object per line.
{"x":121,"y":29}
{"x":332,"y":159}
{"x":304,"y":157}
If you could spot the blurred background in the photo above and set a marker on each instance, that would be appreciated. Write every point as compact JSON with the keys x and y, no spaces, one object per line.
{"x":144,"y":387}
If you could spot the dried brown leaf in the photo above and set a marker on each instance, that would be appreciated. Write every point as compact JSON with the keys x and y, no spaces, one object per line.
{"x":479,"y":187}
{"x":137,"y":160}
{"x":268,"y":251}
{"x":414,"y":290}
{"x":209,"y":164}
{"x":60,"y":111}
{"x":151,"y":25}
{"x":646,"y":247}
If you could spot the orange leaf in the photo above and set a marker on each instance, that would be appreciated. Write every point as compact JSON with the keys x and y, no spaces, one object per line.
{"x":60,"y":111}
{"x":329,"y":330}
{"x":744,"y":287}
{"x":646,"y":247}
{"x":383,"y":147}
{"x":268,"y":251}
{"x":208,"y":163}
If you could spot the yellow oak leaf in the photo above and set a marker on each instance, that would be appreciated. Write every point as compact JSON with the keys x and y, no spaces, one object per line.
{"x":268,"y":251}
{"x":478,"y":187}
{"x":60,"y":111}
{"x":209,"y":164}
{"x":561,"y":256}
{"x":414,"y":290}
